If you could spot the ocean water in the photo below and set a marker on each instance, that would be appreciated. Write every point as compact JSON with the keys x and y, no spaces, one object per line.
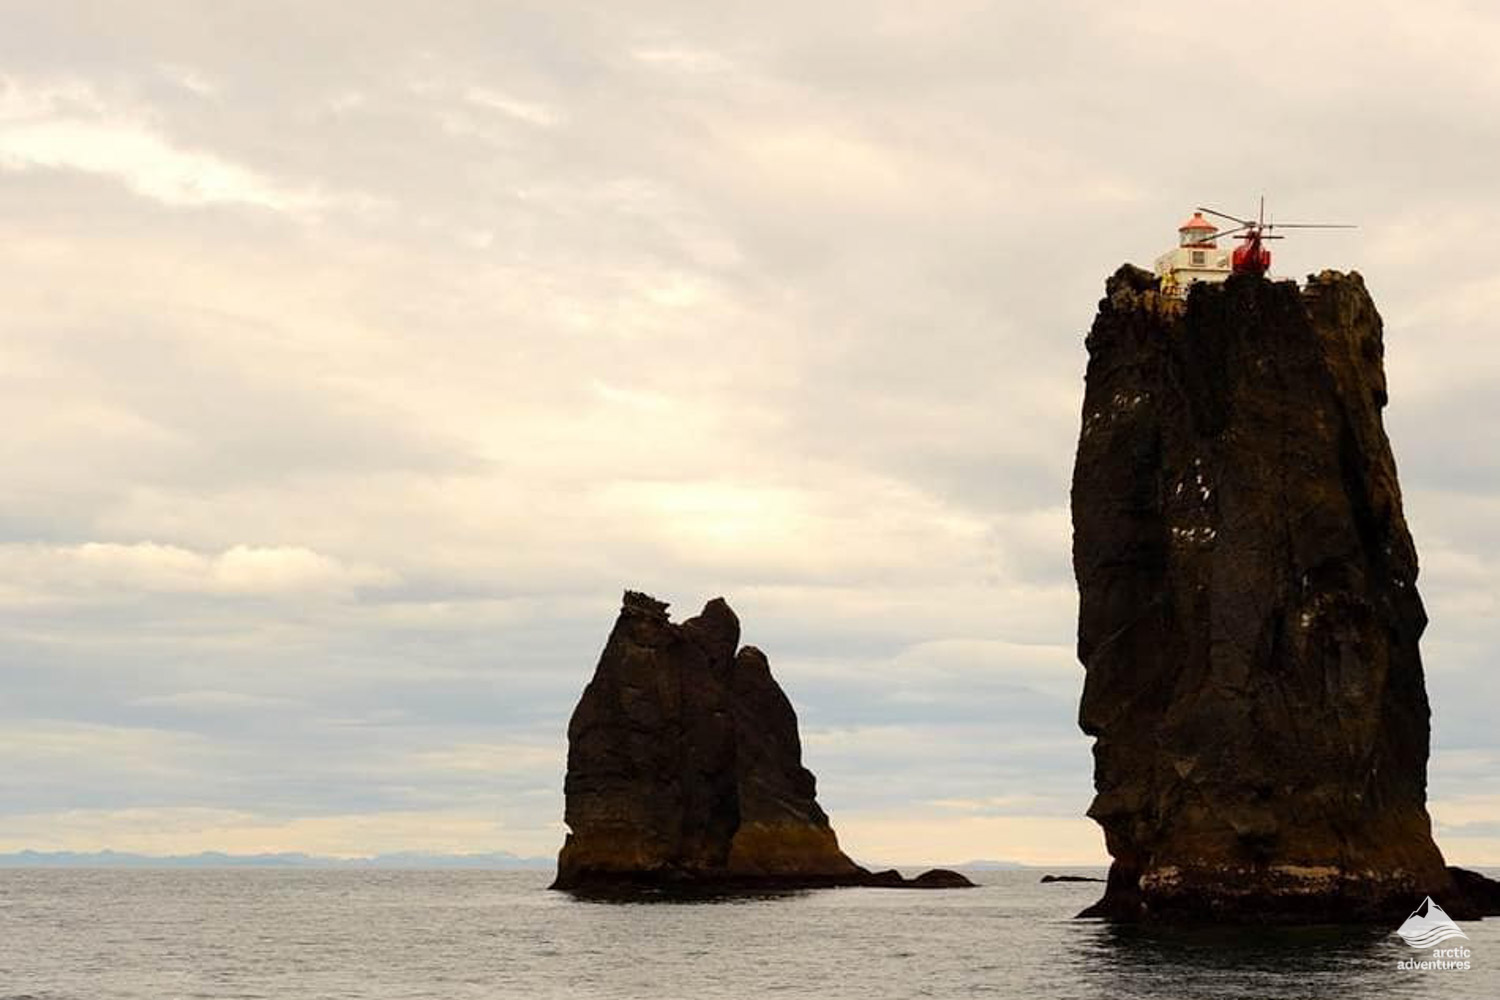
{"x":282,"y":934}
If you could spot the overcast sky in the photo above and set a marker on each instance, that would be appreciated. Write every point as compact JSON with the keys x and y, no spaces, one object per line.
{"x":355,"y":357}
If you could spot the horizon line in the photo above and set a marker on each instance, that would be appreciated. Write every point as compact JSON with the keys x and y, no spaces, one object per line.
{"x":33,"y":854}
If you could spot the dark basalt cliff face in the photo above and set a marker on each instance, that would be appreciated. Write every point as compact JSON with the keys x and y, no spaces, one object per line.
{"x":685,"y":768}
{"x":1249,"y":616}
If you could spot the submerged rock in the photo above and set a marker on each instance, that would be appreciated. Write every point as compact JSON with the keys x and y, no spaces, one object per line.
{"x":685,"y":768}
{"x":1249,"y":615}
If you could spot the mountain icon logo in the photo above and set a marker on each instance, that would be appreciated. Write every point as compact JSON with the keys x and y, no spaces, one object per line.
{"x":1429,"y":926}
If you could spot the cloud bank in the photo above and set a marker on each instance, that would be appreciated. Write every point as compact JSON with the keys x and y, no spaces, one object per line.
{"x":357,"y":360}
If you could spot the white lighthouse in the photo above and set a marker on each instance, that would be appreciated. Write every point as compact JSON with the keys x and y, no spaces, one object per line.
{"x":1196,"y":257}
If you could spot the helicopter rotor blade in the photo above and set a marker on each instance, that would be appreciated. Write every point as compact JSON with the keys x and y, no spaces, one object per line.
{"x":1310,"y":225}
{"x":1236,"y":232}
{"x":1226,"y":215}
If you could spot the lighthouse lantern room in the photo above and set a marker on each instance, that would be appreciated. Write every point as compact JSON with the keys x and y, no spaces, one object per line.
{"x":1197,"y":257}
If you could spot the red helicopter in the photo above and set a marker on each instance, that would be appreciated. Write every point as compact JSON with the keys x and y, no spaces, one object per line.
{"x":1250,"y":257}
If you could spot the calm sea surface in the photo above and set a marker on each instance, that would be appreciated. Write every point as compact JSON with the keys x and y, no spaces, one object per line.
{"x":89,"y":935}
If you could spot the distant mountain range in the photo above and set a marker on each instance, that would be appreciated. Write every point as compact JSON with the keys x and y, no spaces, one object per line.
{"x":217,"y":859}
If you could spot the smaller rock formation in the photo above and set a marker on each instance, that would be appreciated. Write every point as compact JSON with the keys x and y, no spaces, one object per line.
{"x":933,"y":878}
{"x":685,"y":769}
{"x":942,"y":878}
{"x":1479,"y":893}
{"x":1069,"y":878}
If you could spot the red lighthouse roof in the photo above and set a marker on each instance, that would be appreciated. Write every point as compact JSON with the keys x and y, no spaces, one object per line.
{"x":1196,"y":222}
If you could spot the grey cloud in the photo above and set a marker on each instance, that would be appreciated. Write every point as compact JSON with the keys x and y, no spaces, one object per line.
{"x":783,"y":303}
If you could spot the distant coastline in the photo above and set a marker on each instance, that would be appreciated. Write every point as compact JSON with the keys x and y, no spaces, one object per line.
{"x":495,"y":860}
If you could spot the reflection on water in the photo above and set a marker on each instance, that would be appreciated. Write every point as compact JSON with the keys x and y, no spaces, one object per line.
{"x":629,"y":895}
{"x":1234,"y":962}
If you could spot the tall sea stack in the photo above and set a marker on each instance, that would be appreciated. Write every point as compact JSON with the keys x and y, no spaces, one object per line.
{"x":1249,"y":616}
{"x":685,"y":768}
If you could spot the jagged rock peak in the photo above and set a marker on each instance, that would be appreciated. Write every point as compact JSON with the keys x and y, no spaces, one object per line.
{"x":685,"y":768}
{"x":638,"y":603}
{"x":1248,"y":611}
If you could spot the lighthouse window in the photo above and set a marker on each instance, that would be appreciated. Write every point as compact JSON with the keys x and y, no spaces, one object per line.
{"x":1197,"y":257}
